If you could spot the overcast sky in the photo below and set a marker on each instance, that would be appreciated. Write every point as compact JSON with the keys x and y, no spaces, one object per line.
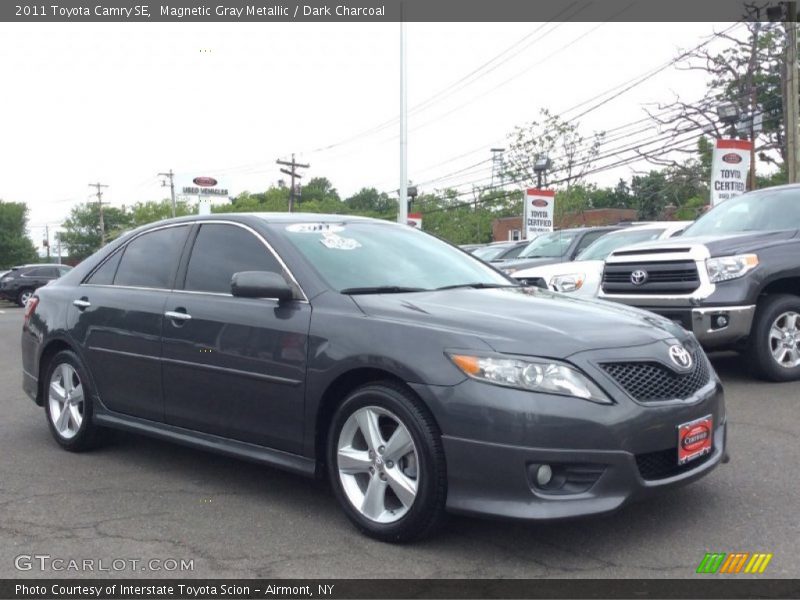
{"x":117,"y":103}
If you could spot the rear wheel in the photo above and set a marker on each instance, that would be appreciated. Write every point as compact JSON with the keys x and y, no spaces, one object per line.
{"x":386,"y":463}
{"x":23,"y":296}
{"x":775,"y":339}
{"x":68,"y":403}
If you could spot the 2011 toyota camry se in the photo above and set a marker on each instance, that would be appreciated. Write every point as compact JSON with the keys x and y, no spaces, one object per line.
{"x":417,"y":377}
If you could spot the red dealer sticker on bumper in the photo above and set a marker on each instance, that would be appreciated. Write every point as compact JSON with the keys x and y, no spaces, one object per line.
{"x":694,"y":439}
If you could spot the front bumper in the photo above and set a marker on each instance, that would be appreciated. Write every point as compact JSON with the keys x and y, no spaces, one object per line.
{"x":495,"y":438}
{"x":713,"y":326}
{"x":495,"y":479}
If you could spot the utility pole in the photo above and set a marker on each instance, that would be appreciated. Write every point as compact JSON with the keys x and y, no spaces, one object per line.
{"x":47,"y":240}
{"x":58,"y":245}
{"x":171,"y":176}
{"x":294,"y":165}
{"x":792,"y":104}
{"x":752,"y":71}
{"x":99,"y":193}
{"x":402,"y":213}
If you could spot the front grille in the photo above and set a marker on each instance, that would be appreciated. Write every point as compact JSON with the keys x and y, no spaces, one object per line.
{"x":664,"y":463}
{"x":653,"y":382}
{"x":668,"y":277}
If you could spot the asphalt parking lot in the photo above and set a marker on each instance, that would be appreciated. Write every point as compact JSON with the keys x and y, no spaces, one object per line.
{"x":138,"y":498}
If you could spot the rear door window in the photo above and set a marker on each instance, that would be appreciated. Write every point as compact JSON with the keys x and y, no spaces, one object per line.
{"x":151,"y":259}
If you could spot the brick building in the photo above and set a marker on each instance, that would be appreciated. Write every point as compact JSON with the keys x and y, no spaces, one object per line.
{"x":509,"y":228}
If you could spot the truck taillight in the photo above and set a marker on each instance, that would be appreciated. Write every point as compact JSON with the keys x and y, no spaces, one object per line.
{"x":30,"y":308}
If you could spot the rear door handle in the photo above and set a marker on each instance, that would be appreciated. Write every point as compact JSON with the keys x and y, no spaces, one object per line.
{"x":81,"y":303}
{"x":177,"y":316}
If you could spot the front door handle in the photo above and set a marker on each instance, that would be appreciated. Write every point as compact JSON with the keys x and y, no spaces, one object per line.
{"x":81,"y":303}
{"x":177,"y":316}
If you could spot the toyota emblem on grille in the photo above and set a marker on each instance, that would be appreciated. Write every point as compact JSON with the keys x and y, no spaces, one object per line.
{"x":680,"y":356}
{"x":638,"y":277}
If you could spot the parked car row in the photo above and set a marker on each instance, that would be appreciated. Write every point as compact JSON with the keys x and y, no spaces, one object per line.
{"x":732,"y":278}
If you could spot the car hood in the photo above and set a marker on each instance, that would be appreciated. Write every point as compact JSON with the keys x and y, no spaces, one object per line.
{"x":725,"y":245}
{"x":562,"y":268}
{"x":526,"y":321}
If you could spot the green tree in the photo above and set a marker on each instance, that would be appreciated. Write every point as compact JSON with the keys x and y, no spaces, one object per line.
{"x":369,"y":201}
{"x":571,"y":153}
{"x":15,"y":246}
{"x":142,"y":213}
{"x":81,"y":233}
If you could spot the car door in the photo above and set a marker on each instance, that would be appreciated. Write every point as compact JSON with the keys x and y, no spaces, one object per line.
{"x":117,"y":317}
{"x":234,"y":367}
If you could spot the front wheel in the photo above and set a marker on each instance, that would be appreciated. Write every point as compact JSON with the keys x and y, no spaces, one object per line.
{"x":774,"y":347}
{"x":386,"y":463}
{"x":23,"y":296}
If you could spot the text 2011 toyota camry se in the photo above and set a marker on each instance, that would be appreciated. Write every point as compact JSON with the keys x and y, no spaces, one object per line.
{"x":417,"y":377}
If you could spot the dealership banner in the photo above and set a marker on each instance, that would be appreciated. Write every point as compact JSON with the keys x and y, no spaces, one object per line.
{"x":730,"y":168}
{"x":415,"y":220}
{"x":538,"y":212}
{"x":207,"y":191}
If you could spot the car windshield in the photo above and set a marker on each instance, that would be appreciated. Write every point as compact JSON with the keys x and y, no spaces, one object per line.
{"x":368,"y":256}
{"x":550,"y":245}
{"x":600,"y":249}
{"x":766,"y":210}
{"x":490,"y":252}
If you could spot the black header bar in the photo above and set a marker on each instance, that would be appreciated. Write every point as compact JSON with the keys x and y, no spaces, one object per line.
{"x":199,"y":11}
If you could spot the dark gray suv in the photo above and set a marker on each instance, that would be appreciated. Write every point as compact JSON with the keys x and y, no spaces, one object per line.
{"x":414,"y":376}
{"x":18,"y":284}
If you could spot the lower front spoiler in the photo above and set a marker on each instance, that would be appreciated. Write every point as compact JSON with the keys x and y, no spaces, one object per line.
{"x":493,"y":479}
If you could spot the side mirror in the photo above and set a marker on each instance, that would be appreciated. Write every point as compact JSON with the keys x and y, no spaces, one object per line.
{"x":260,"y":284}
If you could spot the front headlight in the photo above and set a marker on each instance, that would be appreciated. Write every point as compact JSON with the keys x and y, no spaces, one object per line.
{"x":535,"y":375}
{"x":567,"y":283}
{"x":730,"y":267}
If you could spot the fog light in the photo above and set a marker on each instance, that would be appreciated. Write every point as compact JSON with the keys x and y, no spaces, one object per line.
{"x":543,"y":475}
{"x":721,"y":321}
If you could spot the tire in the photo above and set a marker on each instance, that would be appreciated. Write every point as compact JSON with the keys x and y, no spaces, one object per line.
{"x":75,"y":431}
{"x":411,"y":462}
{"x":23,"y":296}
{"x":777,"y":315}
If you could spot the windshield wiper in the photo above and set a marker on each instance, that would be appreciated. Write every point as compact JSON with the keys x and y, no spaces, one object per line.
{"x":476,"y":286}
{"x":382,"y":289}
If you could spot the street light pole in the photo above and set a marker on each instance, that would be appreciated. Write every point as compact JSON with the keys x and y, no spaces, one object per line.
{"x":792,"y":94}
{"x":402,"y":212}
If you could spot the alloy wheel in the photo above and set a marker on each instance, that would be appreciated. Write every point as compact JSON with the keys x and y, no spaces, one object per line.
{"x":24,"y":297}
{"x":378,"y":464}
{"x":784,"y":339}
{"x":66,"y":400}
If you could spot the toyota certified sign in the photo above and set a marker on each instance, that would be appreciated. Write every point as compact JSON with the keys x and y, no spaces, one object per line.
{"x":538,"y":212}
{"x":730,"y":169}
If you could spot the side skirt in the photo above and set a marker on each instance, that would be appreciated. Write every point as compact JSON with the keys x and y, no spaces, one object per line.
{"x":205,"y":441}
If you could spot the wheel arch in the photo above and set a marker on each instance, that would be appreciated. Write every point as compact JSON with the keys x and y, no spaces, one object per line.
{"x":336,"y":392}
{"x":782,"y":285}
{"x":49,"y":350}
